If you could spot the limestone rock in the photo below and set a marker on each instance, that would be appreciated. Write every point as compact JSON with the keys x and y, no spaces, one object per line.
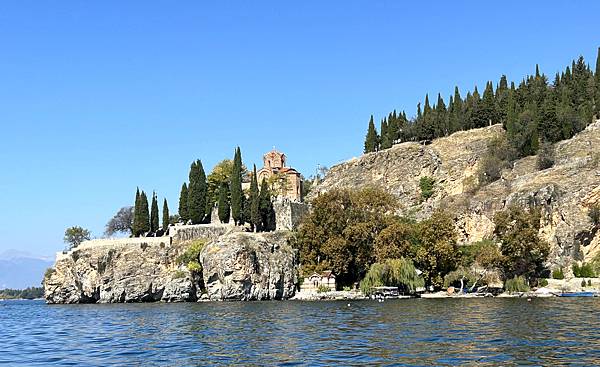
{"x":564,"y":192}
{"x":125,"y":271}
{"x":249,"y":266}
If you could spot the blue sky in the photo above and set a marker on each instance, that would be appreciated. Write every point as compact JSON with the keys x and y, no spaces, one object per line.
{"x":97,"y":98}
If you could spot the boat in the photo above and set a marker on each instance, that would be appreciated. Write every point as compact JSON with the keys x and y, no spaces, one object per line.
{"x":578,"y":294}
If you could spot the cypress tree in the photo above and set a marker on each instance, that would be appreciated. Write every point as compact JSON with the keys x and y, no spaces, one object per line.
{"x":254,"y":204}
{"x":393,"y":129}
{"x":456,"y":116}
{"x":427,"y":130}
{"x":267,"y":214}
{"x":154,"y":214}
{"x":223,"y":204}
{"x":385,"y":138}
{"x":372,"y":138}
{"x":144,"y":218}
{"x":236,"y":188}
{"x":441,"y":118}
{"x":165,"y":216}
{"x":501,"y":100}
{"x":197,"y":193}
{"x":136,"y":213}
{"x":183,"y":203}
{"x":487,"y":109}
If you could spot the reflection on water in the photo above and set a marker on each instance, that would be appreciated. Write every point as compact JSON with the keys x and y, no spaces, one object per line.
{"x":404,"y":332}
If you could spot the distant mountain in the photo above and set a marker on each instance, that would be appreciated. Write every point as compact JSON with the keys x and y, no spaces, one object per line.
{"x":19,"y":270}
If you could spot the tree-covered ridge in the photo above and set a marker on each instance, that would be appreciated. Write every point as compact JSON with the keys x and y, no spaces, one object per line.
{"x":28,"y":293}
{"x":534,"y":112}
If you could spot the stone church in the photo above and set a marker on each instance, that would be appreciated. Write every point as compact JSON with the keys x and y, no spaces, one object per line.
{"x":285,"y":180}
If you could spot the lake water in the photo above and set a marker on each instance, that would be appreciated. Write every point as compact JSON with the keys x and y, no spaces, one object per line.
{"x":402,"y":332}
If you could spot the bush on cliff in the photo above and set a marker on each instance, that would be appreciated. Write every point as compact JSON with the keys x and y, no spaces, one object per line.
{"x":426,"y":186}
{"x":191,"y":256}
{"x":523,"y":251}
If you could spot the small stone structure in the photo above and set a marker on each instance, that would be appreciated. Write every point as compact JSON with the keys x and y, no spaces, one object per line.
{"x":316,"y":280}
{"x":288,"y":213}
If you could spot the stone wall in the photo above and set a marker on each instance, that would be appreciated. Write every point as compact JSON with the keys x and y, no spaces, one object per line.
{"x":288,"y":213}
{"x":181,"y":233}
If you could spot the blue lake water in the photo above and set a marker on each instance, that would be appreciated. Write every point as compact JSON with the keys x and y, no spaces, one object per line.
{"x":395,"y":333}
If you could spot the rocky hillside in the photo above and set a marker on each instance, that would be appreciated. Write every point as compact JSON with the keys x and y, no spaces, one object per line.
{"x":564,"y":192}
{"x":236,"y":266}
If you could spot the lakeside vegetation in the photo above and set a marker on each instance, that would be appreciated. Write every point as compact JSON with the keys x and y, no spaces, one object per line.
{"x":356,"y":234}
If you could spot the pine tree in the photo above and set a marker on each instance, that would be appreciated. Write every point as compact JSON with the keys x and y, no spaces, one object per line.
{"x":267,"y":214}
{"x":144,"y":218}
{"x":197,"y":193}
{"x":165,"y":216}
{"x":372,"y":138}
{"x":136,"y":213}
{"x":254,"y":204}
{"x":183,"y":203}
{"x":236,"y":188}
{"x":223,"y":204}
{"x":154,"y":214}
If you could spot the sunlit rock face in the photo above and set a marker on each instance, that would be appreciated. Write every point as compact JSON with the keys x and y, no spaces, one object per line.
{"x":564,"y":193}
{"x":248,"y":266}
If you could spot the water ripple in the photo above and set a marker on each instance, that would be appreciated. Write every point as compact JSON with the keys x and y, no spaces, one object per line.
{"x":486,"y":332}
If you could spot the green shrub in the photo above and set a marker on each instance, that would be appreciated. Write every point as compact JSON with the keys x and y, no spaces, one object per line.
{"x":190,"y":257}
{"x":347,"y":289}
{"x":558,"y":274}
{"x":589,"y":283}
{"x":49,"y":272}
{"x":543,"y":282}
{"x":194,"y":266}
{"x":583,"y":283}
{"x":179,"y":274}
{"x":323,"y":289}
{"x":426,"y":186}
{"x":545,"y":156}
{"x":583,"y":271}
{"x":516,"y":284}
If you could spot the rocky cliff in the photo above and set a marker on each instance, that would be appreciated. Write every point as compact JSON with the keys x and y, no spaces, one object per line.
{"x":237,"y":266}
{"x":563,"y":192}
{"x":249,"y":266}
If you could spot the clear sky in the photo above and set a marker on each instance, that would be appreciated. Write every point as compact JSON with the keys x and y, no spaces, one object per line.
{"x":97,"y":98}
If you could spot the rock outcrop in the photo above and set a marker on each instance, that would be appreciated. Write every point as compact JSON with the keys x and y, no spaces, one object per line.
{"x":564,"y":192}
{"x":249,"y":266}
{"x":121,"y":271}
{"x":238,"y":266}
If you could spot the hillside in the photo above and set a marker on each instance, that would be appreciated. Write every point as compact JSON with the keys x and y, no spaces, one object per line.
{"x":564,"y":192}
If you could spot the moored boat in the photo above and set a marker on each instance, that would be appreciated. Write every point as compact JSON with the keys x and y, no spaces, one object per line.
{"x":578,"y":294}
